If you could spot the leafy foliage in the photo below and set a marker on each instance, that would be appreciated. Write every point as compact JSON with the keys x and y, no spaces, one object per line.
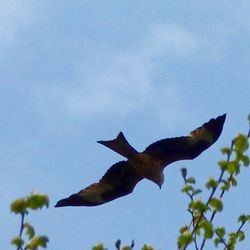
{"x":99,"y":247}
{"x":203,"y":212}
{"x":22,"y":206}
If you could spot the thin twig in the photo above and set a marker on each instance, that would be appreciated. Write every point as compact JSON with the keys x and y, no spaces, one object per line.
{"x":21,"y":228}
{"x":222,"y":192}
{"x":239,"y":229}
{"x":195,"y":243}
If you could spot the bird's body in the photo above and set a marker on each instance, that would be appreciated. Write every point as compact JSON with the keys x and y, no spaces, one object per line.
{"x":123,"y":176}
{"x":148,"y":168}
{"x":144,"y":165}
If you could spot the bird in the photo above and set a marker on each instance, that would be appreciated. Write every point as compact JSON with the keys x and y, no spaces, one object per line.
{"x":122,"y":177}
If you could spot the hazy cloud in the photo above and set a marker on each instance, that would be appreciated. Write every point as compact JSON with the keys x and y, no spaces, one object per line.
{"x":169,"y":40}
{"x":14,"y":16}
{"x":125,"y":84}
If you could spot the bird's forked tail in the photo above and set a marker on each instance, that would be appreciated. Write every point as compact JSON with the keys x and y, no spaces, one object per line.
{"x":121,"y":146}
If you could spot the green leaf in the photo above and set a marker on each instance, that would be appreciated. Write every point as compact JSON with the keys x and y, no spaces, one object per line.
{"x":184,"y":229}
{"x":30,"y":231}
{"x":17,"y":241}
{"x":240,"y":235}
{"x":185,"y":239}
{"x":226,"y":150}
{"x":198,"y":205}
{"x":212,"y":183}
{"x":225,"y":186}
{"x":223,"y":164}
{"x":244,"y":218}
{"x":220,"y":231}
{"x":126,"y":248}
{"x":38,"y":241}
{"x":232,"y":240}
{"x":36,"y":201}
{"x":233,"y":181}
{"x":241,"y":143}
{"x":187,"y":188}
{"x":196,"y":191}
{"x":245,"y":160}
{"x":19,"y":206}
{"x":190,"y":180}
{"x":233,"y":167}
{"x":99,"y":247}
{"x":216,"y":204}
{"x":147,"y":247}
{"x":33,"y":201}
{"x":217,"y":241}
{"x":208,"y":229}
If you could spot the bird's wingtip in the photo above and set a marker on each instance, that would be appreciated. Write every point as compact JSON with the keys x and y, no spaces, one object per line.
{"x":120,"y":134}
{"x":223,"y":116}
{"x":62,"y":203}
{"x":221,"y":119}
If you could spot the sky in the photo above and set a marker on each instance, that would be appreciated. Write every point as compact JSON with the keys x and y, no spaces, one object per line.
{"x":74,"y":72}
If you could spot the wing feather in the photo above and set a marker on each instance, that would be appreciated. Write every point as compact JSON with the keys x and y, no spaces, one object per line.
{"x":169,"y":150}
{"x":119,"y":180}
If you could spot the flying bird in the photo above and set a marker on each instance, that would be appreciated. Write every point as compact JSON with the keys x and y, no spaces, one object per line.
{"x":122,"y":177}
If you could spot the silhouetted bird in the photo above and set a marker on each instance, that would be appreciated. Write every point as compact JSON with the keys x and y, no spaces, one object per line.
{"x":122,"y":177}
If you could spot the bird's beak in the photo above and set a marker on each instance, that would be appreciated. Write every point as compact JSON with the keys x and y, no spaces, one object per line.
{"x":159,"y":186}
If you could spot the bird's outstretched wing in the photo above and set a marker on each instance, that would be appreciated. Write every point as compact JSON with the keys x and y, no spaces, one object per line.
{"x":169,"y":150}
{"x":118,"y":181}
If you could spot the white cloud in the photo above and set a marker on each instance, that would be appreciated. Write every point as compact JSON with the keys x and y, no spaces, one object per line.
{"x":120,"y":88}
{"x":14,"y":16}
{"x":170,"y":40}
{"x":125,"y":84}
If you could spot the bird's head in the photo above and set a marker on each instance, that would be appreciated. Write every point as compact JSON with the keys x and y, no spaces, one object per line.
{"x":158,"y":179}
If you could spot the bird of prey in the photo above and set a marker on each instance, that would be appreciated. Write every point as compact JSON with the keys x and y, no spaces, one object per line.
{"x":122,"y":177}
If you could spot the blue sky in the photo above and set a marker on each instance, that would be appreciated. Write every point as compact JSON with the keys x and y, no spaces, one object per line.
{"x":76,"y":72}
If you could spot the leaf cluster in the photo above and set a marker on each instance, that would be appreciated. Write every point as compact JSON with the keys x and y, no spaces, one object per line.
{"x":22,"y":206}
{"x":203,"y":212}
